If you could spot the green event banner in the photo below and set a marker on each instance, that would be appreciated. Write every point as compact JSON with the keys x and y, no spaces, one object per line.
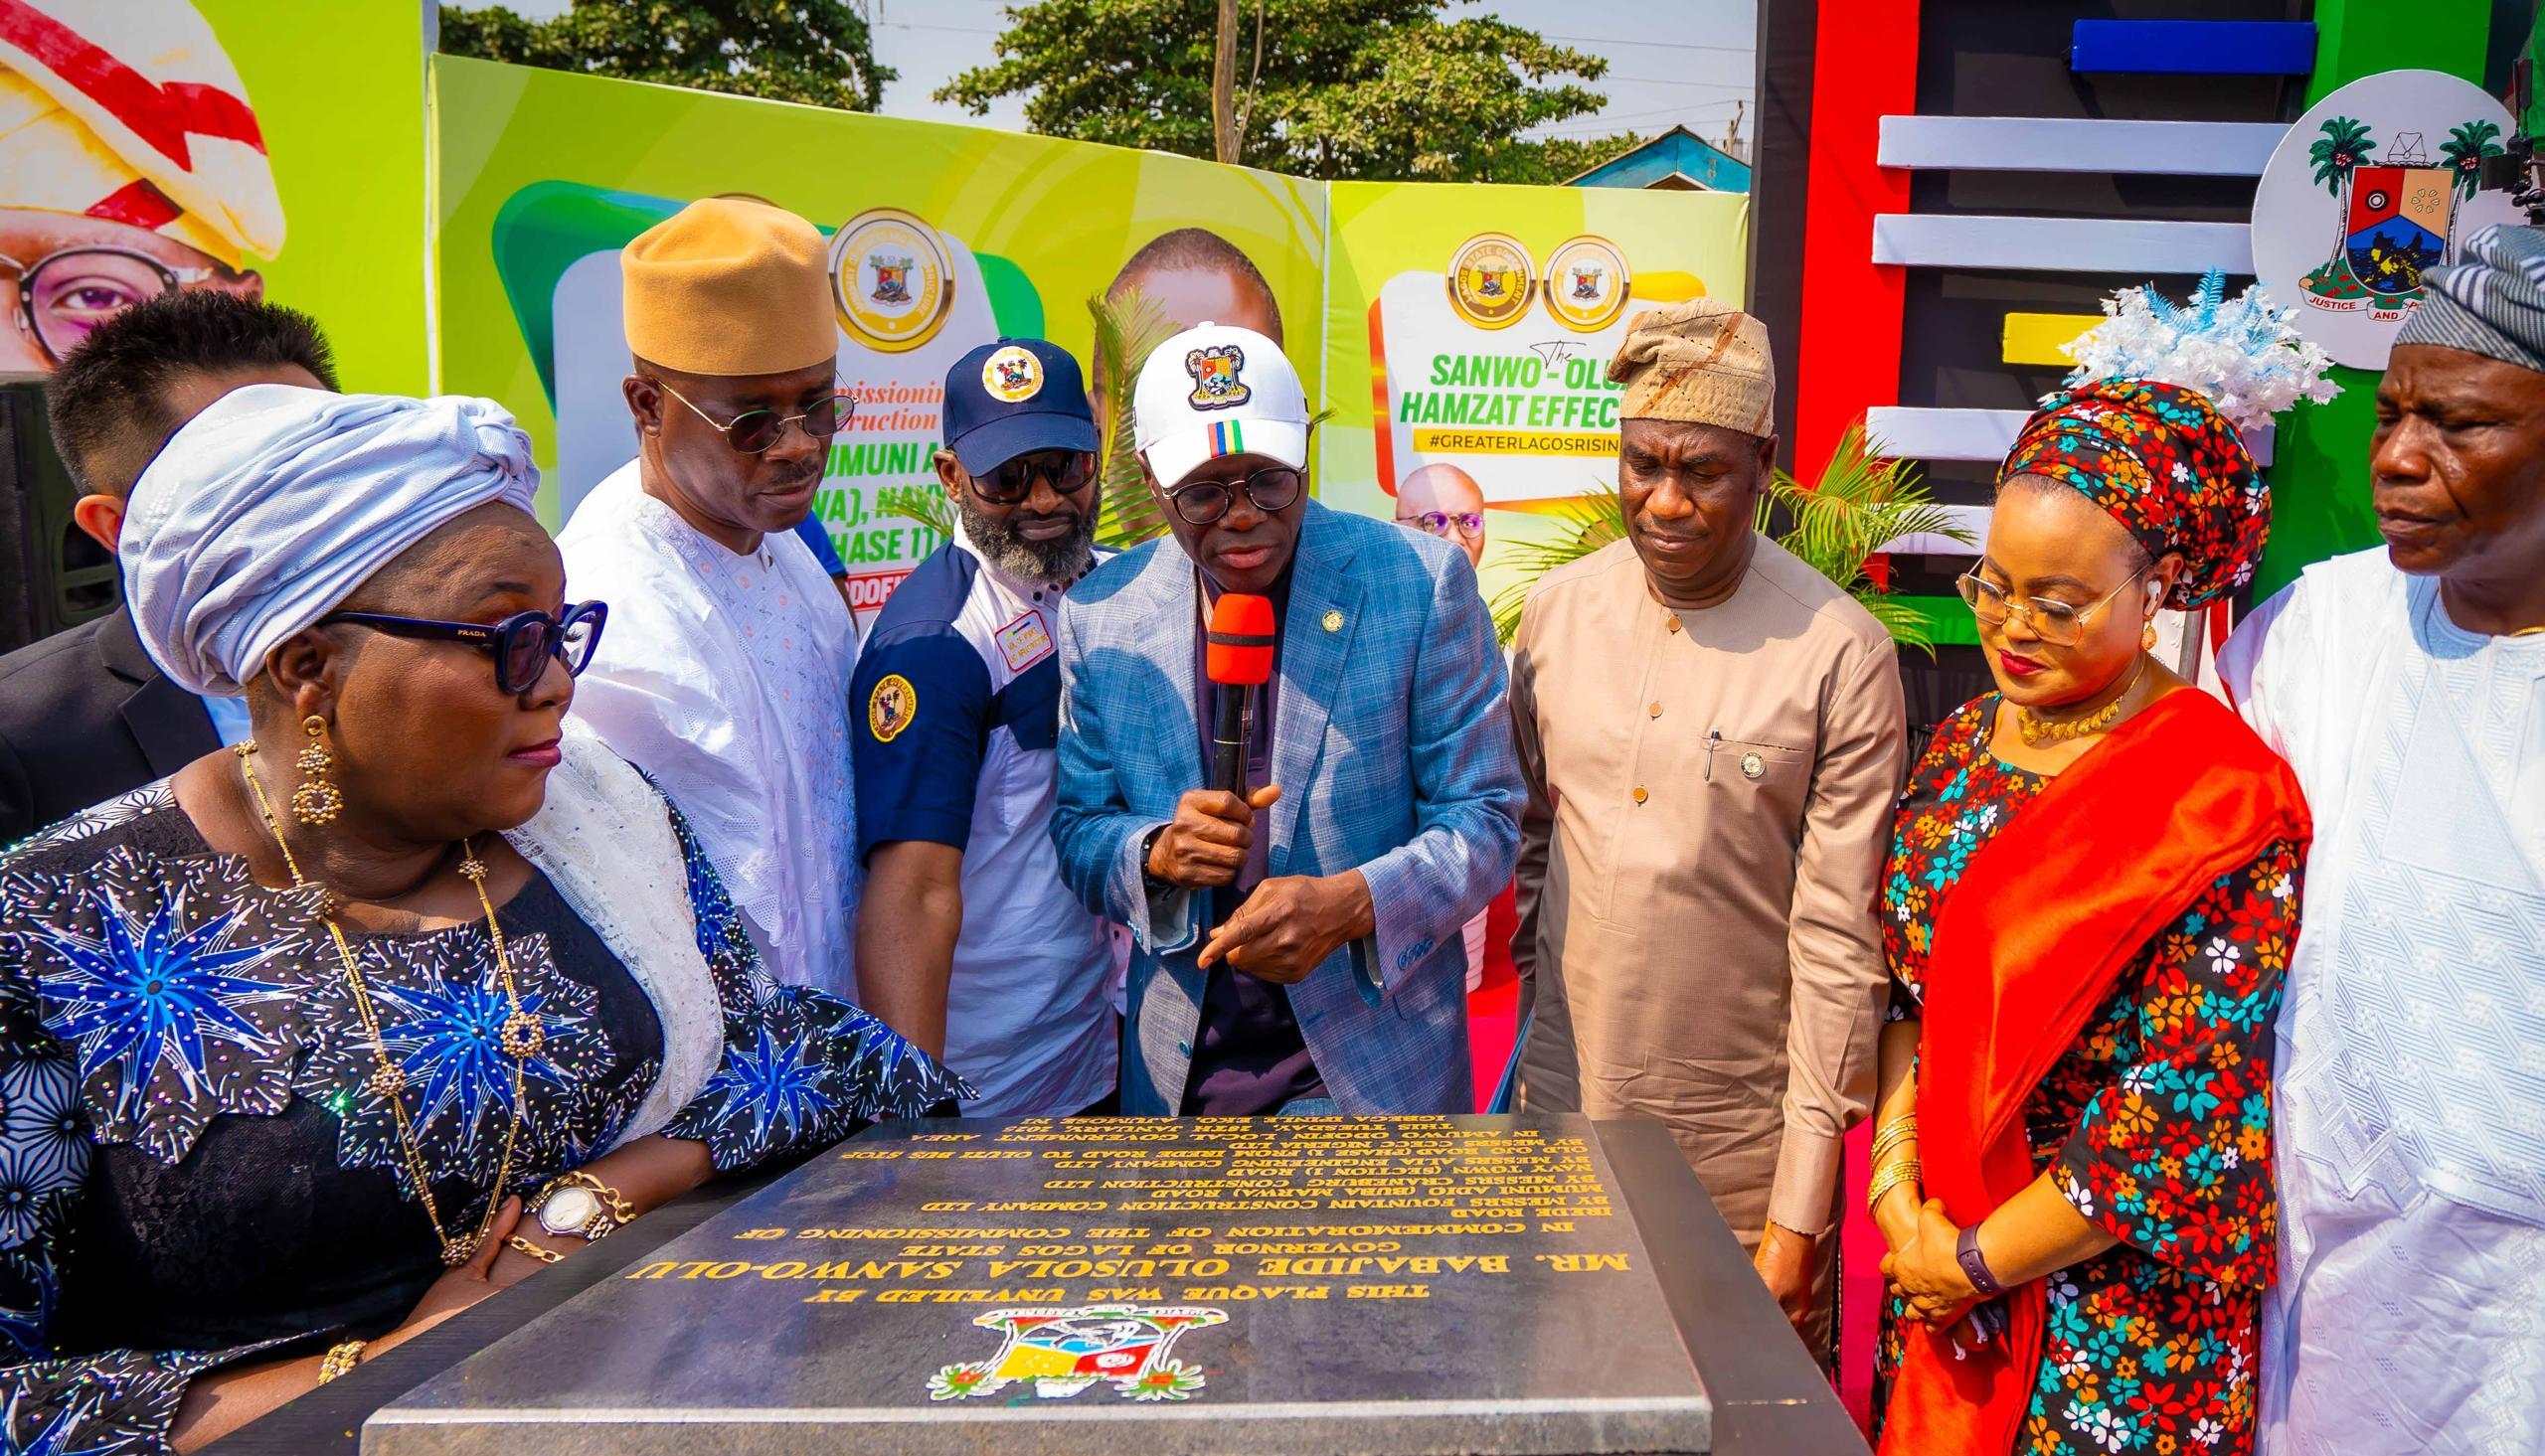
{"x":455,"y":224}
{"x":942,"y":238}
{"x":269,"y":147}
{"x":1468,"y":331}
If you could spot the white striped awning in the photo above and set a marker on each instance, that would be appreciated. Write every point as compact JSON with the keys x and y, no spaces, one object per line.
{"x":2066,"y":144}
{"x":2062,"y":245}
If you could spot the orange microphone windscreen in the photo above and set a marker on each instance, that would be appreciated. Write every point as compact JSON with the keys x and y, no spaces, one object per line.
{"x":1239,"y":646}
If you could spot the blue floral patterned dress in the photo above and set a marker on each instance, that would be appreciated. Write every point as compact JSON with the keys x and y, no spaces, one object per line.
{"x":2157,"y":1121}
{"x":193,"y":1168}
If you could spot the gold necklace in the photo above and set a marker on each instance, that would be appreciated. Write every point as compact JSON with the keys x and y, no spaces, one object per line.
{"x":2038,"y":731}
{"x":521,"y":1038}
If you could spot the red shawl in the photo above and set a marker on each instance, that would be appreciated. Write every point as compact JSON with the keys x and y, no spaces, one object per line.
{"x":2027,"y":946}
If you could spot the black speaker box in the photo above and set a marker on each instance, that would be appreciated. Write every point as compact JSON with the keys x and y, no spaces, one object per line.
{"x":52,"y":575}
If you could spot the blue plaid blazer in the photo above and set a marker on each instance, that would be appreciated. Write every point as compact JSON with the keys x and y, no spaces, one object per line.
{"x":1392,"y":748}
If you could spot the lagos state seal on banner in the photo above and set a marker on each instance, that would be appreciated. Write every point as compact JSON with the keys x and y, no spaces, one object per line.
{"x":1490,"y":280}
{"x":891,"y":279}
{"x":1064,"y":1351}
{"x":1586,"y":283}
{"x":2373,"y":186}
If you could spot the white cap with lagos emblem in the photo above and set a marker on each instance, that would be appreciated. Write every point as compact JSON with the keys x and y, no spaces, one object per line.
{"x":1215,"y":391}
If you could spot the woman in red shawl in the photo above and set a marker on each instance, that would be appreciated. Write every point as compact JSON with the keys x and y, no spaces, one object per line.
{"x":2090,"y":898}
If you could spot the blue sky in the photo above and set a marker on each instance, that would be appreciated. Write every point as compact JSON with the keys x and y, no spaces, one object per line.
{"x":1682,"y":63}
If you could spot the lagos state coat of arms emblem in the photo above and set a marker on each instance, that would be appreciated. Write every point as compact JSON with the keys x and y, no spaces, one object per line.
{"x":891,"y":279}
{"x":2395,"y":212}
{"x":1063,"y":1352}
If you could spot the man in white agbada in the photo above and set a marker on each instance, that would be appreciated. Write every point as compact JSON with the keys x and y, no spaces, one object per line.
{"x":725,"y":671}
{"x":2407,"y":687}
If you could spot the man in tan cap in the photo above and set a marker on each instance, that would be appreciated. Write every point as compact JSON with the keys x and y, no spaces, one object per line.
{"x":1712,"y":733}
{"x":725,"y":669}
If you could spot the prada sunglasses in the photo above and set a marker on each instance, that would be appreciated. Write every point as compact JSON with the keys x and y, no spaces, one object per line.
{"x":520,"y":644}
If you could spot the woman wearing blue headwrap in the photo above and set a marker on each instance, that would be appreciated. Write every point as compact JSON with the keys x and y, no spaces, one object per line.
{"x":323,"y":1038}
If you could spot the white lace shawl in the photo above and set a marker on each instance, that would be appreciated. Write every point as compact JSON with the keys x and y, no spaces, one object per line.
{"x":604,"y":840}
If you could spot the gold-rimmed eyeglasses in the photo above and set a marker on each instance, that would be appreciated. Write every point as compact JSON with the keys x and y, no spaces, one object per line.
{"x":2055,"y":623}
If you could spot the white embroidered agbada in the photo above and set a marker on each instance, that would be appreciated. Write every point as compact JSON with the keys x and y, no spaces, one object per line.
{"x":2410,"y":1094}
{"x":724,"y":676}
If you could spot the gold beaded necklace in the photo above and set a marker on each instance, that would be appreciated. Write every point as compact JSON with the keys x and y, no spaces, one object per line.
{"x":521,"y":1038}
{"x":2038,"y":731}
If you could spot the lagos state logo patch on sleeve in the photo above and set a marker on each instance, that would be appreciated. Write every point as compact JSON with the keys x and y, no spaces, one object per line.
{"x":891,"y":707}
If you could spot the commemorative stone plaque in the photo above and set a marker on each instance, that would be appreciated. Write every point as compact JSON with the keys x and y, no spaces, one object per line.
{"x":1392,"y":1286}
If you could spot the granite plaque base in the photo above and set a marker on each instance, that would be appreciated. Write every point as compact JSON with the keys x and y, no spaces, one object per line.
{"x":1244,"y":1287}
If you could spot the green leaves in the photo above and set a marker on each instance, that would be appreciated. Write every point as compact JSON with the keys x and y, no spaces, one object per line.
{"x":1340,"y":89}
{"x":818,"y":51}
{"x":1583,"y":527}
{"x":1127,"y":328}
{"x":925,"y":504}
{"x":1860,"y":504}
{"x":2345,"y":144}
{"x":2466,"y":148}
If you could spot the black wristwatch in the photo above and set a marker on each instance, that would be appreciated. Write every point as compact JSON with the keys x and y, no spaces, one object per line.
{"x":1148,"y":847}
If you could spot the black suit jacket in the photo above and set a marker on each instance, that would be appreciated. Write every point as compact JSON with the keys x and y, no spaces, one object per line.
{"x":84,"y":716}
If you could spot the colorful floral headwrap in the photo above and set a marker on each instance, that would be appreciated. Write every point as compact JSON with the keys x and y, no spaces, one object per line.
{"x":2161,"y":460}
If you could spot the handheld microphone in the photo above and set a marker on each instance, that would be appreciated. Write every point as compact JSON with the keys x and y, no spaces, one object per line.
{"x":1237,"y":655}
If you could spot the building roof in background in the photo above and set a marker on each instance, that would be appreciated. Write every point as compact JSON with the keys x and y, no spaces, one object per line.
{"x":1676,"y":160}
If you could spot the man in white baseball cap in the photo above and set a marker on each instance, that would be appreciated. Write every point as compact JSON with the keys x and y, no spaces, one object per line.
{"x":1298,"y":945}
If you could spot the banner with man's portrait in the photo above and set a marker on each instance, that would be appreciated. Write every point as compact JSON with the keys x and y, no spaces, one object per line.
{"x":1467,"y":335}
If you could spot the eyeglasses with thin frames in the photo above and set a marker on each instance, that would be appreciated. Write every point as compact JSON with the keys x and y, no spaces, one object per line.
{"x":757,"y":431}
{"x":2054,"y":622}
{"x":67,"y":293}
{"x":1469,"y":524}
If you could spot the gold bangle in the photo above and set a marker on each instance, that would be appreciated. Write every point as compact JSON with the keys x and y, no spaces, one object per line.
{"x":1892,"y":1134}
{"x":1898,"y":1172}
{"x":340,"y":1360}
{"x":544,"y":1256}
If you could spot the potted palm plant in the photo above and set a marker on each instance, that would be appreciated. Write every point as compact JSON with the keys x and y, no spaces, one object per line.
{"x":1862,"y":501}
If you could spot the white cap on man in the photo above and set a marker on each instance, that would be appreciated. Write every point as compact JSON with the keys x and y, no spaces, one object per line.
{"x":1215,"y":391}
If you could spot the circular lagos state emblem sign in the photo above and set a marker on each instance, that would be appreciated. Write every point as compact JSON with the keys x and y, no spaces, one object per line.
{"x":891,"y":279}
{"x":1012,"y":375}
{"x":1586,"y":284}
{"x":1489,"y":280}
{"x":2373,"y":184}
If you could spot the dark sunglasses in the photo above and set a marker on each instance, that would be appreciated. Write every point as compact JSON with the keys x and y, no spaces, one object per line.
{"x":1013,"y":481}
{"x":755,"y":432}
{"x":521,"y":644}
{"x":1205,"y":501}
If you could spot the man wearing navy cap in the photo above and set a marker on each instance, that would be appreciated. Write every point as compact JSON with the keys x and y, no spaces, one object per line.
{"x":969,"y":943}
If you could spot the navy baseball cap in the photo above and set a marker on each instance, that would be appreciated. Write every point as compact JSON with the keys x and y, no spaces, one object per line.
{"x":1013,"y":398}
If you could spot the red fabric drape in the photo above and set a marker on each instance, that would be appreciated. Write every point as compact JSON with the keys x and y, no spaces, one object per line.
{"x":2051,"y":912}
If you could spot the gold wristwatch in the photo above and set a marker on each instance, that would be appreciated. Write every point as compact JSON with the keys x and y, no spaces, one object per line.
{"x":580,"y":1205}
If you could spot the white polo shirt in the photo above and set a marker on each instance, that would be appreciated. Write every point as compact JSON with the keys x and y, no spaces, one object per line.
{"x":956,"y":729}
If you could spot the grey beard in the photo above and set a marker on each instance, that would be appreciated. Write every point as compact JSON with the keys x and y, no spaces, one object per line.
{"x":1049,"y":562}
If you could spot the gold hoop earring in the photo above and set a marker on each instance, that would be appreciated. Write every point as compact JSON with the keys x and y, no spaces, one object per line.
{"x":318,"y":800}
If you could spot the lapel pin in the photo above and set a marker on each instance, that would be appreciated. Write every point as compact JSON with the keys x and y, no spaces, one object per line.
{"x":1333,"y":621}
{"x":1752,"y":766}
